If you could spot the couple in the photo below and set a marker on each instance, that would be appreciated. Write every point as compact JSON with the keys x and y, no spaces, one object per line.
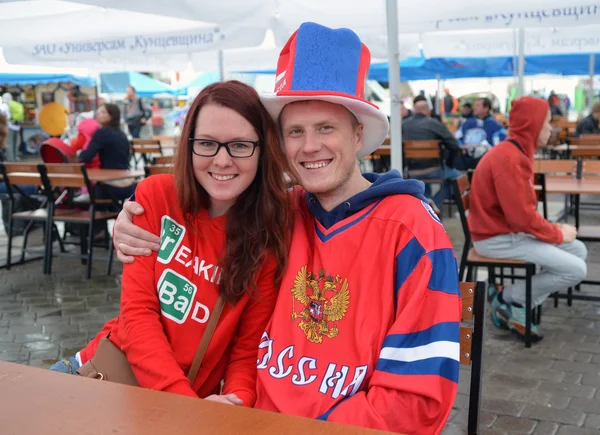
{"x":343,"y":301}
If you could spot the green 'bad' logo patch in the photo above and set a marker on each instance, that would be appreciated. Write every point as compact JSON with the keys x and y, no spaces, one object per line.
{"x":176,"y":294}
{"x":171,"y":235}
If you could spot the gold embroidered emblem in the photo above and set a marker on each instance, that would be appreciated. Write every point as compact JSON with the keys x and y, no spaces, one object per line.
{"x":325,"y":300}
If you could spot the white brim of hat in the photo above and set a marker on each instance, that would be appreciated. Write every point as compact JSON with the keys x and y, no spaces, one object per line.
{"x":376,"y":124}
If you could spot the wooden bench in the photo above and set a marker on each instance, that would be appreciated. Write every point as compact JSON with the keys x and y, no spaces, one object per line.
{"x":146,"y":148}
{"x":64,"y":176}
{"x":163,"y":160}
{"x":158,"y":169}
{"x":473,"y":296}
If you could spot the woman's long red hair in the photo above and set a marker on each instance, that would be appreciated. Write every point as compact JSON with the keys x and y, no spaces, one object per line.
{"x":259,"y":223}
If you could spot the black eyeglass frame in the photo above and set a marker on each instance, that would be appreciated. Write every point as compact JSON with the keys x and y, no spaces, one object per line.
{"x":225,"y":145}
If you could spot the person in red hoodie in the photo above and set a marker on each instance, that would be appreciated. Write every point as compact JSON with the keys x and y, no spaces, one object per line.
{"x":223,"y":220}
{"x":505,"y":223}
{"x":87,"y":128}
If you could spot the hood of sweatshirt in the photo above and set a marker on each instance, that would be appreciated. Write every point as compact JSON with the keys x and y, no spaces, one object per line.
{"x":87,"y":128}
{"x":390,"y":183}
{"x":527,"y":117}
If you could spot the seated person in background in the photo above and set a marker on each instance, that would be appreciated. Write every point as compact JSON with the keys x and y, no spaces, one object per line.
{"x":591,"y":123}
{"x":479,"y":133}
{"x":554,"y":102}
{"x":86,"y":129}
{"x":422,"y":97}
{"x":421,"y":126}
{"x":111,"y":144}
{"x":505,"y":223}
{"x":466,"y":112}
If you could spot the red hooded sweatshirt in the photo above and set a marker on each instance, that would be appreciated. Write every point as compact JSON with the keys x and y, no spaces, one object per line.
{"x":503,"y":199}
{"x":86,"y":129}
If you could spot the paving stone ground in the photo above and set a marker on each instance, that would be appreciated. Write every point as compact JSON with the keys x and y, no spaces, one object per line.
{"x":552,"y":388}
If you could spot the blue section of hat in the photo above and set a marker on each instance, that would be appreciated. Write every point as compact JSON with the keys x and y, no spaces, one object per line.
{"x":326,"y":59}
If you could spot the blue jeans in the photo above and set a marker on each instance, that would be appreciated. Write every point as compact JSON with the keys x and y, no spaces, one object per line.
{"x":135,"y":129}
{"x":28,"y":190}
{"x":66,"y":365}
{"x":445,"y":191}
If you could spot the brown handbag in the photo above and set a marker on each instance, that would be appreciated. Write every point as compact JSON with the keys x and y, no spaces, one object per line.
{"x":110,"y":363}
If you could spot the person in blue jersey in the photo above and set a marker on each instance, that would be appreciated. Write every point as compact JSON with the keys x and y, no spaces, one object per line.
{"x":478,"y":134}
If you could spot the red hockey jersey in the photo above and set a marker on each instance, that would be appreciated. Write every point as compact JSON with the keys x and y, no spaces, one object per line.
{"x":168,"y":297}
{"x":366,"y":326}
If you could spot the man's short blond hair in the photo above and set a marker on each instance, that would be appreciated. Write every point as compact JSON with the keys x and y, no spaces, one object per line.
{"x":596,"y":107}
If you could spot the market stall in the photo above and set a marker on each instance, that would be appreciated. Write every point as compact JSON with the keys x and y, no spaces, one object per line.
{"x":47,"y":94}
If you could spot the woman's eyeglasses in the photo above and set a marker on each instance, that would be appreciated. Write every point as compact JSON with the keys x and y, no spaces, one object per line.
{"x":237,"y":149}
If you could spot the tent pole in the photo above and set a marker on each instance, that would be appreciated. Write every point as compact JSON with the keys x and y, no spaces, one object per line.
{"x":221,"y":66}
{"x":394,"y":84}
{"x":591,"y":87}
{"x":439,"y":98}
{"x":521,"y":62}
{"x":516,"y":55}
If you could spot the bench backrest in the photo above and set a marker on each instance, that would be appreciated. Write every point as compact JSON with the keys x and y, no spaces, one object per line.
{"x":421,"y":149}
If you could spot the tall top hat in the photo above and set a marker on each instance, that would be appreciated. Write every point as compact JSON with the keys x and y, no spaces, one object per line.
{"x":319,"y":63}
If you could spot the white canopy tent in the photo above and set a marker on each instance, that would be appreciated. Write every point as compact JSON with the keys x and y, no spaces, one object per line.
{"x":36,"y":22}
{"x":501,"y":42}
{"x":155,"y":51}
{"x":284,"y":16}
{"x":397,"y":16}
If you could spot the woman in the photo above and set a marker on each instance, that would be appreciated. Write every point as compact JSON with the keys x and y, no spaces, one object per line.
{"x":224,"y":220}
{"x":112,"y":146}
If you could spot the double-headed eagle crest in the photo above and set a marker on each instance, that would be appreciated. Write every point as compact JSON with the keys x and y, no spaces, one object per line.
{"x":325,"y":300}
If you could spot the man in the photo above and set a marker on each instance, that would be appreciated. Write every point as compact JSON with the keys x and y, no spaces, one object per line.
{"x":591,"y":123}
{"x":17,"y":115}
{"x":449,"y":103}
{"x":432,"y":114}
{"x":478,"y":134}
{"x":505,"y":223}
{"x":136,"y":114}
{"x":466,"y":112}
{"x":554,"y":102}
{"x":363,"y":333}
{"x":422,"y":127}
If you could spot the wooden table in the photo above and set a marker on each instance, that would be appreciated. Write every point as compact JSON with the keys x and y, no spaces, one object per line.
{"x":104,"y":175}
{"x":38,"y":401}
{"x":95,"y":175}
{"x":571,"y":186}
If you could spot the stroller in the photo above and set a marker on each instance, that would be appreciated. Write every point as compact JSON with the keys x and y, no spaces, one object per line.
{"x":54,"y":150}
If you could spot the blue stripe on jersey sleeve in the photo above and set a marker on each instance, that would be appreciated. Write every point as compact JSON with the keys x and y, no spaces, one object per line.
{"x":444,"y":331}
{"x":445,"y":367}
{"x":433,"y":351}
{"x":406,"y":261}
{"x":444,"y":273}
